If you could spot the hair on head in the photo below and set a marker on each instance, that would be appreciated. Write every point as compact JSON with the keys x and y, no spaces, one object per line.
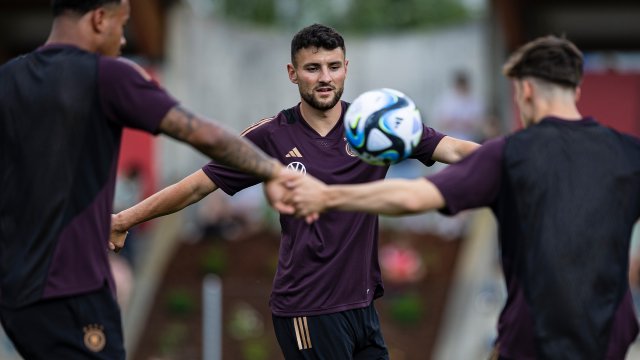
{"x":78,"y":6}
{"x":550,"y":58}
{"x":316,"y":35}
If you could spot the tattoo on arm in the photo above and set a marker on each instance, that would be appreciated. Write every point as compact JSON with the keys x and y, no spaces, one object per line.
{"x":214,"y":141}
{"x":179,"y":123}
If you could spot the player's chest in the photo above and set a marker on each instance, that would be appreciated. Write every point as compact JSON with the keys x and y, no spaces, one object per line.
{"x":329,"y":159}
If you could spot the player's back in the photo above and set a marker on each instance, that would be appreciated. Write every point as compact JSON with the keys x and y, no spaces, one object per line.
{"x":57,"y":153}
{"x":572,"y":190}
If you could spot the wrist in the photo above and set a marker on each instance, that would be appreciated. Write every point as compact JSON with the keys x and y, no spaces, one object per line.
{"x":276,"y":169}
{"x":117,"y":222}
{"x":331,"y":196}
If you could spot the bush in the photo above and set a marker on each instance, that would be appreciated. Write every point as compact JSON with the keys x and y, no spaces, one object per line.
{"x":214,"y":261}
{"x":407,"y":309}
{"x":180,"y":302}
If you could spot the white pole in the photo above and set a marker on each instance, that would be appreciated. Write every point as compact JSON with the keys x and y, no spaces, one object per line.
{"x":212,"y":318}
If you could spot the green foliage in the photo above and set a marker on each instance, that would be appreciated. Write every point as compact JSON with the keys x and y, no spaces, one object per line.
{"x":172,"y":338}
{"x":407,"y":309}
{"x":245,"y":322}
{"x":180,"y":302}
{"x":377,"y":15}
{"x":257,"y":11}
{"x":349,"y":15}
{"x":214,"y":261}
{"x":255,"y":349}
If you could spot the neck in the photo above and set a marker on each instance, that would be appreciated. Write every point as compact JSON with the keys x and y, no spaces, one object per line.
{"x":569,"y":112}
{"x":562,"y":105}
{"x":321,"y":121}
{"x":70,"y":29}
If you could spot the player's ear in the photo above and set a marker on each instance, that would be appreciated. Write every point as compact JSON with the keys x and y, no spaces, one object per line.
{"x":578,"y":93}
{"x":293,"y":76}
{"x":98,"y":19}
{"x":527,"y":89}
{"x":346,"y":66}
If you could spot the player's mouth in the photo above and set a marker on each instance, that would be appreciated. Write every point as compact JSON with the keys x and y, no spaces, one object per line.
{"x":324,"y":89}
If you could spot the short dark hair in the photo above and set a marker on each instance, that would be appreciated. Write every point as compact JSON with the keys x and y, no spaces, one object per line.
{"x":549,"y":58}
{"x":78,"y":6}
{"x":316,"y":35}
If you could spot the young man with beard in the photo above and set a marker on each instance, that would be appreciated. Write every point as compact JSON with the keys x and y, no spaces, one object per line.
{"x":328,"y":273}
{"x":566,"y":193}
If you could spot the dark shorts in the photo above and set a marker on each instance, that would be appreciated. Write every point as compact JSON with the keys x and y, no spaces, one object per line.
{"x":86,"y":326}
{"x":351,"y":334}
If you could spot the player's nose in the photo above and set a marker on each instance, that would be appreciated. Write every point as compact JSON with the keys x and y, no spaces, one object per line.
{"x":325,"y":75}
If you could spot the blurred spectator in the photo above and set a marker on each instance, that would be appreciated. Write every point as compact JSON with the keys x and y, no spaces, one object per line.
{"x":223,"y":217}
{"x":128,"y":188}
{"x":458,"y":113}
{"x":461,"y":115}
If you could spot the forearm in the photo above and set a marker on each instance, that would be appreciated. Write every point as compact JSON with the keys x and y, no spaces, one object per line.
{"x":219,"y":144}
{"x":167,"y":201}
{"x":391,"y":197}
{"x":451,"y":150}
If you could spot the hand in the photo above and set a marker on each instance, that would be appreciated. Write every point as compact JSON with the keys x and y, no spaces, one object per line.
{"x":277,"y":192}
{"x":118,"y":234}
{"x":308,"y":197}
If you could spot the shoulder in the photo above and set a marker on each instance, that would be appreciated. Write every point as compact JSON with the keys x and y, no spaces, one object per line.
{"x":122,"y":69}
{"x":259,"y":128}
{"x":269,"y":125}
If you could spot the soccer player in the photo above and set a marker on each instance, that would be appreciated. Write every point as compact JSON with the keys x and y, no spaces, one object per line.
{"x":62,"y":111}
{"x":566,"y":194}
{"x":328,"y":273}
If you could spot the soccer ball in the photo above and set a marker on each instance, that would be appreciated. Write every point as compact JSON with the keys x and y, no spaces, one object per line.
{"x":383,"y":126}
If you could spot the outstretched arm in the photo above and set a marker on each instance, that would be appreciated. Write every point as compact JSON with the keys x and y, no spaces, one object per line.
{"x":167,"y":201}
{"x":391,"y":197}
{"x":451,"y":150}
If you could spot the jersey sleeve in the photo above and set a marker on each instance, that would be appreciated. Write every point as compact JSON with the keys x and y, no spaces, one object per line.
{"x":474,"y":181}
{"x":427,"y":145}
{"x":231,"y":180}
{"x":130,"y":97}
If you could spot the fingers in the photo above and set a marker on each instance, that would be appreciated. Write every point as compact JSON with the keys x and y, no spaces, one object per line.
{"x":311,"y":218}
{"x":116,"y":243}
{"x":284,"y":207}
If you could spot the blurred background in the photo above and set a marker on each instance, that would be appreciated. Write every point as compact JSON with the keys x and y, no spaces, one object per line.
{"x":227,"y":60}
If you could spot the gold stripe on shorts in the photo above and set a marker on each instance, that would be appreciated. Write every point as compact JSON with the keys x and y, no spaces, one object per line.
{"x":302,"y":333}
{"x":306,"y":327}
{"x":295,"y":325}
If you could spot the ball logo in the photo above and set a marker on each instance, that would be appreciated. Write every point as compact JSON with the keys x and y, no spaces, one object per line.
{"x":94,"y":337}
{"x":297,"y":167}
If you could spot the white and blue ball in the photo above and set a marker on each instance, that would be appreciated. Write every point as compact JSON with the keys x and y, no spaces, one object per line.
{"x":383,"y":126}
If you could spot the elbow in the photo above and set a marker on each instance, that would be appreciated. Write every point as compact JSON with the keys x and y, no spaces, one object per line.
{"x":420,"y":196}
{"x":466,"y":149}
{"x":413,"y":205}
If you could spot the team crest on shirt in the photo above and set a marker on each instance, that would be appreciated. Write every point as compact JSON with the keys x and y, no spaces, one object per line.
{"x":348,"y":149}
{"x":297,"y":167}
{"x":94,"y":337}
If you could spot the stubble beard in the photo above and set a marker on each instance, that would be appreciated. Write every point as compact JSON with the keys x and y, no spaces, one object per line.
{"x":322,"y":106}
